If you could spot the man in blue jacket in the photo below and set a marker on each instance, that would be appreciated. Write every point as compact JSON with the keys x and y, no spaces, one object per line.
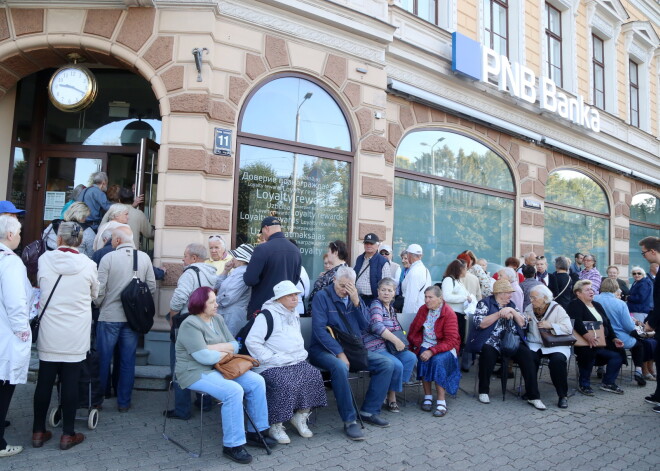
{"x":273,"y":261}
{"x":370,"y":268}
{"x":331,"y":306}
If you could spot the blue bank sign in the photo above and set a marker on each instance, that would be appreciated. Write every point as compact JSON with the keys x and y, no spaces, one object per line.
{"x":475,"y":60}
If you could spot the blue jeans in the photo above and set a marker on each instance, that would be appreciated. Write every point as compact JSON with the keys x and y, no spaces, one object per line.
{"x":231,"y":392}
{"x":403,"y":363}
{"x":612,"y":359}
{"x":109,"y":334}
{"x":381,"y":369}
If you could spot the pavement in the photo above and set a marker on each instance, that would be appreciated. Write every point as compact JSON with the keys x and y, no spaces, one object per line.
{"x":605,"y":432}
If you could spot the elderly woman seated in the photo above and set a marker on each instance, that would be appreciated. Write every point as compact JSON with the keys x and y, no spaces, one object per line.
{"x":293,"y":386}
{"x":435,"y":339}
{"x":544,"y":313}
{"x":583,"y":309}
{"x":490,"y":319}
{"x":622,"y":324}
{"x":383,"y":338}
{"x":202,"y":341}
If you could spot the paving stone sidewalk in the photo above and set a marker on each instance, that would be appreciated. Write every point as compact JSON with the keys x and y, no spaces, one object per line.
{"x":605,"y":432}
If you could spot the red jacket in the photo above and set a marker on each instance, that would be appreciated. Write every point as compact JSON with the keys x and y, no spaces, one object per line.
{"x":446,"y":330}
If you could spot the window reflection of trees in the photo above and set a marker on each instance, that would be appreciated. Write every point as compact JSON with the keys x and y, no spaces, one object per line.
{"x":568,"y":187}
{"x":645,"y":208}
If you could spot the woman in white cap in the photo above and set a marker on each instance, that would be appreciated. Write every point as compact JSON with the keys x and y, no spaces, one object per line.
{"x":293,"y":386}
{"x":233,"y":294}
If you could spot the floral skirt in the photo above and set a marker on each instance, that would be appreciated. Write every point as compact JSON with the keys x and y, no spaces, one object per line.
{"x":291,"y":388}
{"x":441,"y":368}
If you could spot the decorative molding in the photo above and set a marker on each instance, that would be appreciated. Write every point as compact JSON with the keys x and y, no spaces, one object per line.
{"x":584,"y":142}
{"x":285,"y":25}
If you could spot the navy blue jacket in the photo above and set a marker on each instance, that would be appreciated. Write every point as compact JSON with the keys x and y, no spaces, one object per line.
{"x":326,"y":309}
{"x":275,"y":260}
{"x":654,"y":317}
{"x":640,"y":296}
{"x":479,"y":336}
{"x":376,"y":264}
{"x":102,"y":252}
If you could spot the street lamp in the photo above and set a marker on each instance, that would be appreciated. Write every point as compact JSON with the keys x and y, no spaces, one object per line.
{"x":440,"y":139}
{"x":307,"y":96}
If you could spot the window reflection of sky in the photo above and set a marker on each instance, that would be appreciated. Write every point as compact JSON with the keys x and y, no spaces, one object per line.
{"x":111,"y":133}
{"x":415,"y":144}
{"x":272,"y":112}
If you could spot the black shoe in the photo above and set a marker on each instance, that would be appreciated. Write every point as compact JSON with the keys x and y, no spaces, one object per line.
{"x":613,"y":388}
{"x":640,"y":379}
{"x":563,"y":403}
{"x":238,"y":454}
{"x":375,"y":420}
{"x":171,"y":414}
{"x":652,"y":400}
{"x":353,"y":431}
{"x":586,"y":390}
{"x":252,"y":439}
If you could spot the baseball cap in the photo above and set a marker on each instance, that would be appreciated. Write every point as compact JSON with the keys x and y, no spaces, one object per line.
{"x":8,"y":207}
{"x":270,"y":221}
{"x":371,"y":238}
{"x":386,"y":248}
{"x":415,"y":249}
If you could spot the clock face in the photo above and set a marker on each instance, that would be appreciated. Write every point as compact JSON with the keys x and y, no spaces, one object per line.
{"x":72,"y":88}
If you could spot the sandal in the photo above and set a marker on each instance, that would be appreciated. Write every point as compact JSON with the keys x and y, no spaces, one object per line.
{"x":440,"y":411}
{"x":427,"y":405}
{"x":393,"y":407}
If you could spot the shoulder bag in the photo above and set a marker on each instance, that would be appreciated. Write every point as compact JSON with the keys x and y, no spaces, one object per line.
{"x":231,"y":366}
{"x":36,"y":322}
{"x":551,"y":339}
{"x":597,"y":328}
{"x":509,"y":340}
{"x":353,"y":347}
{"x":562,"y":291}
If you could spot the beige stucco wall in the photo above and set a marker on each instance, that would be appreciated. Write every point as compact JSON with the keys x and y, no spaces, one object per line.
{"x":6,"y":125}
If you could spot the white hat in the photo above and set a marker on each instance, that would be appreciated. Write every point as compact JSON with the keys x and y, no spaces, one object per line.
{"x":385,"y":247}
{"x":414,"y":249}
{"x":283,"y":288}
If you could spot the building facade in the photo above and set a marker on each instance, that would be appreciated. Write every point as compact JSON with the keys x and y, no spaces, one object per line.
{"x":535,"y":127}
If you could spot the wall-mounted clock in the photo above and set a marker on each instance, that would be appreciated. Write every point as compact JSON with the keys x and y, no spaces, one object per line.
{"x":72,"y":88}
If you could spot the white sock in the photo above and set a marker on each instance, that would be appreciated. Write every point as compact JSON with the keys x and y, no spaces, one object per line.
{"x":441,"y":403}
{"x":428,"y":397}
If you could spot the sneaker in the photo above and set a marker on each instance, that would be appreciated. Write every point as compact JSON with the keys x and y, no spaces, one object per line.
{"x":375,"y":419}
{"x":537,"y":403}
{"x":586,"y":390}
{"x":640,"y":379}
{"x":656,"y":409}
{"x":649,"y":377}
{"x":652,"y":400}
{"x":299,"y":422}
{"x":252,"y":439}
{"x":10,"y":450}
{"x":237,"y":453}
{"x":353,"y":431}
{"x":613,"y":388}
{"x":599,"y":372}
{"x":393,"y":407}
{"x":484,"y":399}
{"x":276,"y":432}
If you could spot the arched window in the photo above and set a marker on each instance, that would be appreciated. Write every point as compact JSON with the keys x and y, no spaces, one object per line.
{"x":295,"y":153}
{"x":577,"y":217}
{"x":644,"y":222}
{"x":452,"y":193}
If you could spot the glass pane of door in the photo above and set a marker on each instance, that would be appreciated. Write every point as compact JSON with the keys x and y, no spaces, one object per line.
{"x":146,"y":183}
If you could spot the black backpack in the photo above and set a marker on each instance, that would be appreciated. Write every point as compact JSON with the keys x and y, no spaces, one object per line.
{"x":137,"y":302}
{"x":245,"y":330}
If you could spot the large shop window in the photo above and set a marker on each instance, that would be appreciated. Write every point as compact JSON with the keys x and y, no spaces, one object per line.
{"x":576,"y":217}
{"x":644,"y":222}
{"x":295,"y":154}
{"x":452,"y":193}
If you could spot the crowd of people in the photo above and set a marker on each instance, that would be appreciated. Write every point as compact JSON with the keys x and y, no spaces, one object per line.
{"x":380,"y":317}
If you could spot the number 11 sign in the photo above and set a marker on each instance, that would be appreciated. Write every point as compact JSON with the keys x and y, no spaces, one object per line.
{"x":222,"y":144}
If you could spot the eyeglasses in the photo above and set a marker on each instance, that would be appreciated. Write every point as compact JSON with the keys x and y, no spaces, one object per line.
{"x":216,"y":236}
{"x":636,"y":273}
{"x":540,"y":257}
{"x":644,"y":252}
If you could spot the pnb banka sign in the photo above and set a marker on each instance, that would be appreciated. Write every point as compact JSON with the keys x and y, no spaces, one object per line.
{"x":474,"y":60}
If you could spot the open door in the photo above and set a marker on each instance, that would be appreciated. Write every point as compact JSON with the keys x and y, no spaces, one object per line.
{"x":146,"y":183}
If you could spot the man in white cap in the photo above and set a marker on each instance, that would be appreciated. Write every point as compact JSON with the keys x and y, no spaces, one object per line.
{"x":416,"y":281}
{"x":395,"y":269}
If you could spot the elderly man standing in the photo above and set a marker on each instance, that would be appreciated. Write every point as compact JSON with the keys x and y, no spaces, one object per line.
{"x":273,"y":261}
{"x":530,"y":261}
{"x":416,"y":281}
{"x":651,"y":252}
{"x":370,"y":268}
{"x":94,"y":197}
{"x":196,"y":274}
{"x":339,"y":307}
{"x":115,"y":273}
